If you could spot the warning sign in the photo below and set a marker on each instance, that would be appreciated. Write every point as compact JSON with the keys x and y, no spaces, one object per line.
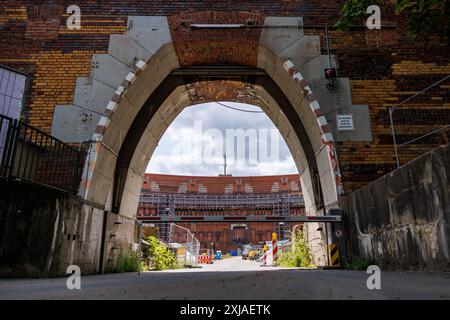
{"x":334,"y":255}
{"x":345,"y":122}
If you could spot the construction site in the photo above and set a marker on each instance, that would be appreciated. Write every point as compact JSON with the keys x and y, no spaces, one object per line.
{"x":222,"y":197}
{"x":116,"y":116}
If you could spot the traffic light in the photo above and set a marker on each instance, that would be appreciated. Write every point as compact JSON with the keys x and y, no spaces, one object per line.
{"x":330,"y":73}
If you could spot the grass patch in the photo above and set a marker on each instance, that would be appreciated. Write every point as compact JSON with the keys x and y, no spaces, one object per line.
{"x":127,"y":262}
{"x":360,"y":265}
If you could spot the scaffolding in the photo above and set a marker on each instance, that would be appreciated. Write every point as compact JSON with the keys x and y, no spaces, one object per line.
{"x":166,"y":207}
{"x":185,"y":204}
{"x":156,"y":203}
{"x":282,"y":208}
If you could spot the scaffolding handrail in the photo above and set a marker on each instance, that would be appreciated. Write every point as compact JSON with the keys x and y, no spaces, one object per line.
{"x":220,"y":201}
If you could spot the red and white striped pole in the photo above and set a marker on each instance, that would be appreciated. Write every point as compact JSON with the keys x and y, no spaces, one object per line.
{"x":274,"y":248}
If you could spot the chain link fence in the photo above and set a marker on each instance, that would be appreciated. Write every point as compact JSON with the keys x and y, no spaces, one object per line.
{"x":189,"y":246}
{"x":421,"y":122}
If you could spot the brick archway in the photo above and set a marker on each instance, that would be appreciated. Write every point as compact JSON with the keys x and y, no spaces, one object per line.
{"x":142,"y":64}
{"x":139,"y":145}
{"x":146,"y":78}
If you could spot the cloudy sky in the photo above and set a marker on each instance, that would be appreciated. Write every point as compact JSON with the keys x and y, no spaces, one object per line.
{"x":198,"y":138}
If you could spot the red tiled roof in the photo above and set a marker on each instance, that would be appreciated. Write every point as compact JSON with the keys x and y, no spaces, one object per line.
{"x":222,"y":184}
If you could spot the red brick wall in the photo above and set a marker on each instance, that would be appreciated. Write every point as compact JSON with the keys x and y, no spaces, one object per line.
{"x":215,"y":46}
{"x":384,"y":66}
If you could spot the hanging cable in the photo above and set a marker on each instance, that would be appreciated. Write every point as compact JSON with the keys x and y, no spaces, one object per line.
{"x":237,"y":109}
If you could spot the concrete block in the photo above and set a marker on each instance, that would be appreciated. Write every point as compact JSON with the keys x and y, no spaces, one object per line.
{"x":112,"y":134}
{"x":109,"y":70}
{"x":281,"y":32}
{"x":92,"y":94}
{"x":127,"y":50}
{"x":361,"y":122}
{"x":314,"y":69}
{"x":100,"y":188}
{"x":266,"y":59}
{"x":323,"y":161}
{"x":292,"y":141}
{"x":308,"y":192}
{"x":300,"y":159}
{"x":129,"y":204}
{"x":124,"y":111}
{"x":315,"y":135}
{"x":74,"y":124}
{"x":328,"y":184}
{"x":135,"y":180}
{"x":283,"y":125}
{"x":143,"y":153}
{"x":157,"y":128}
{"x":106,"y":163}
{"x":164,"y":61}
{"x":138,"y":93}
{"x":131,"y":193}
{"x":302,"y":50}
{"x":140,"y":161}
{"x":150,"y":32}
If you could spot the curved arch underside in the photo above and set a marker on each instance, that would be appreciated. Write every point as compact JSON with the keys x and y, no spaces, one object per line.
{"x":175,"y":93}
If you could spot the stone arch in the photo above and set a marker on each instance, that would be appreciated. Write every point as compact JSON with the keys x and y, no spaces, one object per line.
{"x":138,"y":85}
{"x":201,"y":92}
{"x":123,"y":83}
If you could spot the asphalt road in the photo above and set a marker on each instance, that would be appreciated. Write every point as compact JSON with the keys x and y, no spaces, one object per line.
{"x":235,"y":279}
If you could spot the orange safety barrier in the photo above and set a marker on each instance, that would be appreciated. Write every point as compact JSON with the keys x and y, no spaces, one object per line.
{"x":205,"y":259}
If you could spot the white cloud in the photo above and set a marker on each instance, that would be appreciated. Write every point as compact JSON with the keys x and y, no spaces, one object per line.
{"x":180,"y":148}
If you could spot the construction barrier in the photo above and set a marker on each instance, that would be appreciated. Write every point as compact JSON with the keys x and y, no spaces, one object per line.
{"x":274,"y":247}
{"x":205,"y":259}
{"x":264,"y":256}
{"x":334,"y":255}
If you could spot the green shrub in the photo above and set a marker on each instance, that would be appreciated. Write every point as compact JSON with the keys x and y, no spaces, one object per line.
{"x":143,"y":266}
{"x":299,"y":256}
{"x":160,"y":257}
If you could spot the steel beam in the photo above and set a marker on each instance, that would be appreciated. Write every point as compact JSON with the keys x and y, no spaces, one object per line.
{"x":249,"y":218}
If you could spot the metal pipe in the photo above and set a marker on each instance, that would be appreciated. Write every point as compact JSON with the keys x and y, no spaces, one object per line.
{"x":328,"y":46}
{"x":262,"y":26}
{"x":394,"y":139}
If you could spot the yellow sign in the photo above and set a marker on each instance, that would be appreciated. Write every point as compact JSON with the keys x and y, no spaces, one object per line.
{"x":265,"y":248}
{"x":334,"y":255}
{"x":274,"y":236}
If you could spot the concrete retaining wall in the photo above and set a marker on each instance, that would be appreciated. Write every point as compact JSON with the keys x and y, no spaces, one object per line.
{"x":43,"y":231}
{"x":402,"y":220}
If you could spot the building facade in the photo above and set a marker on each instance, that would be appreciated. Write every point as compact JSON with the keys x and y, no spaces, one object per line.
{"x":223,"y":195}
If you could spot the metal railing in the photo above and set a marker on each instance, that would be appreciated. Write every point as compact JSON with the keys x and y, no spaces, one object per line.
{"x":29,"y":154}
{"x":421,"y":122}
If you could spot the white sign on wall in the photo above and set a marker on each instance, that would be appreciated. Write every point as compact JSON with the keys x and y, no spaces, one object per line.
{"x":345,"y":122}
